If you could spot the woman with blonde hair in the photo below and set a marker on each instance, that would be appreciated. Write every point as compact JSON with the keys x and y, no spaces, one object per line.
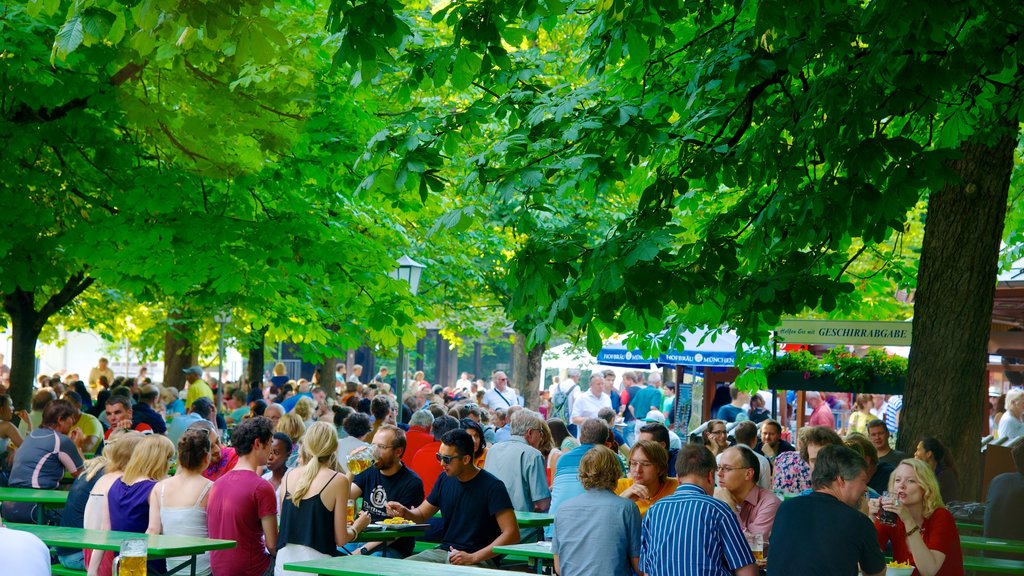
{"x":304,"y":408}
{"x":128,"y":497}
{"x":615,"y":540}
{"x":291,"y":426}
{"x":177,"y":505}
{"x":313,"y":500}
{"x":109,"y":467}
{"x":78,"y":496}
{"x":923,"y":533}
{"x":648,"y":479}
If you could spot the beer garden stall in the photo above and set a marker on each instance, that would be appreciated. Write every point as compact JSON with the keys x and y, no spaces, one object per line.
{"x":794,"y":334}
{"x":707,"y":357}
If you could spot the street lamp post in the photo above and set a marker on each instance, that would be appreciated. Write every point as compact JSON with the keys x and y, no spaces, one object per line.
{"x":222,"y":318}
{"x":409,"y":271}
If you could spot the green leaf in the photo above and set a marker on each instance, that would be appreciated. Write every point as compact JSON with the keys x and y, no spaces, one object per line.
{"x":594,"y":341}
{"x":69,"y":37}
{"x":466,"y":68}
{"x":638,"y":51}
{"x":97,"y":22}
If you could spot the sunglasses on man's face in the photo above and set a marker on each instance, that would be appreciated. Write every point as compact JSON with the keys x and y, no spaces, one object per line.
{"x":446,"y":460}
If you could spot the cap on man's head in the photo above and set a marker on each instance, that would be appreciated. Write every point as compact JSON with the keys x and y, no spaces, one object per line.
{"x":655,"y":416}
{"x":202,"y":406}
{"x":197,"y":370}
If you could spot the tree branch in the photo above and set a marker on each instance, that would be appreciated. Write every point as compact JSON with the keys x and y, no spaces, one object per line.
{"x":74,"y":286}
{"x":216,"y":82}
{"x":192,"y":155}
{"x":850,"y":261}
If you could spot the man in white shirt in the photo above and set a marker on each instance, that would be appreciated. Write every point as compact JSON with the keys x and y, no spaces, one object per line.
{"x":23,"y":553}
{"x":501,"y":396}
{"x":588,"y":405}
{"x":1010,"y":425}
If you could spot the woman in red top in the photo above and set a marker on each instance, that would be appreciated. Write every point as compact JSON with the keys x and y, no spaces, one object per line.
{"x":925,"y":533}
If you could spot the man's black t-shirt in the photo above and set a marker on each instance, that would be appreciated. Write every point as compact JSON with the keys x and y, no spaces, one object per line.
{"x":879,"y":482}
{"x":468,"y":510}
{"x":403,"y":486}
{"x":817,"y":535}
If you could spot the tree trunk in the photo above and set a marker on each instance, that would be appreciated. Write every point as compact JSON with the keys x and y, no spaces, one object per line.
{"x":26,"y":325}
{"x":946,"y":387}
{"x":526,"y":370}
{"x":257,"y":356}
{"x":329,"y":377}
{"x":24,"y":335}
{"x":178,"y":353}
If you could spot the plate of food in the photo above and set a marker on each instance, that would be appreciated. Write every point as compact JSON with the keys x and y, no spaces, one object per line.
{"x":899,"y":569}
{"x":397,"y":523}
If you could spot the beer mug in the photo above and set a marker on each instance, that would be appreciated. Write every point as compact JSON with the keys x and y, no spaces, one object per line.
{"x":360,"y":459}
{"x":132,"y":560}
{"x":756,"y":542}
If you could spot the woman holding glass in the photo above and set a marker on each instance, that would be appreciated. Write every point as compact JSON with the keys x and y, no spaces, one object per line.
{"x":313,"y":500}
{"x":920,"y":529}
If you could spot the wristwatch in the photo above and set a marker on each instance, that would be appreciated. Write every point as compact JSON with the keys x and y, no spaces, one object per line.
{"x":363,"y":551}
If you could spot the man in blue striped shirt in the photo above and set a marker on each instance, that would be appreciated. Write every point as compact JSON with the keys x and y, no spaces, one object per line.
{"x":690,"y":533}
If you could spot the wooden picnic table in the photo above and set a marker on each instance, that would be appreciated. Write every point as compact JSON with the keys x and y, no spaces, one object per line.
{"x":378,"y":566}
{"x":992,"y":544}
{"x":371,"y":534}
{"x":36,"y":495}
{"x":159,"y":546}
{"x":534,"y":519}
{"x":538,"y":553}
{"x":45,"y":498}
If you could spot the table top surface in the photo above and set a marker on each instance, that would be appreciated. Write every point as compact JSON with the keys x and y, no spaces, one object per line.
{"x":33,"y":495}
{"x":534,"y":518}
{"x":541,"y":550}
{"x":992,"y":544}
{"x":378,"y":566}
{"x":161,"y":546}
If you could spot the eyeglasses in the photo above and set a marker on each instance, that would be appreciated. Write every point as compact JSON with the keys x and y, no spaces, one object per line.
{"x":640,"y":464}
{"x":446,"y":460}
{"x":724,"y":468}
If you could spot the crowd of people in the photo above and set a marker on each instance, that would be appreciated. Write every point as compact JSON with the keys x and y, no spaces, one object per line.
{"x":279,"y":469}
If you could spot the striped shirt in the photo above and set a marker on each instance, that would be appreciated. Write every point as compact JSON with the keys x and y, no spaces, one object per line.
{"x":691,"y":534}
{"x":892,"y":407}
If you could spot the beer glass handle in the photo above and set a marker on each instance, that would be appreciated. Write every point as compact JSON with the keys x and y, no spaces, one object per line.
{"x":116,"y":568}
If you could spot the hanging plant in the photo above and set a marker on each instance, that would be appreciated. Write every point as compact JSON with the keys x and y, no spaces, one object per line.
{"x":847,"y":371}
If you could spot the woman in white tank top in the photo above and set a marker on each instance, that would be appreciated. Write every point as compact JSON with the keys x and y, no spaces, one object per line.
{"x":177,"y":505}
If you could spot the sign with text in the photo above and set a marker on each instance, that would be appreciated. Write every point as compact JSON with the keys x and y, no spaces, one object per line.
{"x":845,"y":332}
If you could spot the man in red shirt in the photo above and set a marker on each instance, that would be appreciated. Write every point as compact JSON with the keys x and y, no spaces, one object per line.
{"x":418,"y":435}
{"x":821,"y":414}
{"x":119,"y":415}
{"x":242,"y":506}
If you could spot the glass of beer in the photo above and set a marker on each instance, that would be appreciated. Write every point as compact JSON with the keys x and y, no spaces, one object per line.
{"x":132,"y":560}
{"x":756,"y":542}
{"x":360,"y":459}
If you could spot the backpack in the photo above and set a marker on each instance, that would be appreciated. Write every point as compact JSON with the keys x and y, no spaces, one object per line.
{"x":561,"y":402}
